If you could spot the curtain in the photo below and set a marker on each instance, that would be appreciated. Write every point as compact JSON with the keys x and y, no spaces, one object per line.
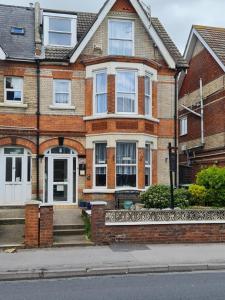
{"x":101,"y":92}
{"x":100,"y":153}
{"x":61,"y":91}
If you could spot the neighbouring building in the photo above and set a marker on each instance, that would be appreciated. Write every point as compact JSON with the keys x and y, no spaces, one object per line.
{"x":86,"y":102}
{"x":201,"y":103}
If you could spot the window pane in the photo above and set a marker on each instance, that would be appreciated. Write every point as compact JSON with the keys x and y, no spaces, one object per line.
{"x":101,"y":83}
{"x":28,"y":168}
{"x":147,"y":85}
{"x":13,"y":96}
{"x":147,"y":176}
{"x":126,"y":176}
{"x":14,"y":83}
{"x":120,"y":30}
{"x":60,"y":150}
{"x":126,"y":153}
{"x":118,"y":47}
{"x":60,"y":170}
{"x":60,"y":192}
{"x":18,"y":173}
{"x":126,"y":82}
{"x":61,"y":39}
{"x":147,"y":105}
{"x":101,"y":103}
{"x":8,"y":169}
{"x":100,"y":176}
{"x":60,"y":24}
{"x":100,"y":153}
{"x":147,"y":154}
{"x":126,"y":103}
{"x":61,"y":98}
{"x":13,"y":151}
{"x":61,"y":86}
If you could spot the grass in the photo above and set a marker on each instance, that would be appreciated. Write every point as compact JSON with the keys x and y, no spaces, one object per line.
{"x":87,"y":226}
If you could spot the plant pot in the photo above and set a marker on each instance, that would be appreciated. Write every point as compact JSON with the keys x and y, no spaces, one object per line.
{"x":139,"y":206}
{"x":127,"y":204}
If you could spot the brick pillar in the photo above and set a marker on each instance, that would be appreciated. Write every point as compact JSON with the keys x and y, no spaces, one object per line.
{"x":46,"y":225}
{"x":154,"y":167}
{"x":32,"y":224}
{"x":111,"y":168}
{"x":141,"y":168}
{"x":98,"y":221}
{"x":88,"y":96}
{"x":111,"y":94}
{"x":89,"y":168}
{"x":154,"y":100}
{"x":141,"y":95}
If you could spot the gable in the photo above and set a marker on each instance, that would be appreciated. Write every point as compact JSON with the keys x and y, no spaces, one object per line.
{"x":123,"y":6}
{"x":198,"y":48}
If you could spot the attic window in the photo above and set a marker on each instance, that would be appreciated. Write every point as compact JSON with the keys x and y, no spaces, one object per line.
{"x":17,"y":30}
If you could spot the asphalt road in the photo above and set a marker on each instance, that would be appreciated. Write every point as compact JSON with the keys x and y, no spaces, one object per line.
{"x":207,"y":285}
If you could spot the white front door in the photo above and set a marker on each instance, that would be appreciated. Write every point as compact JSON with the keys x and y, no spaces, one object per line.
{"x":15,"y":177}
{"x":60,"y":177}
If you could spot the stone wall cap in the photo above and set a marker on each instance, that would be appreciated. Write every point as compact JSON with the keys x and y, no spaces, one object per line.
{"x":33,"y":202}
{"x":46,"y":205}
{"x":98,"y":203}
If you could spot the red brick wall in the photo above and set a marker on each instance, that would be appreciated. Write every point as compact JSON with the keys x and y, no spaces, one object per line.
{"x":123,"y":5}
{"x":46,"y":226}
{"x":168,"y":233}
{"x":202,"y":66}
{"x":32,"y":225}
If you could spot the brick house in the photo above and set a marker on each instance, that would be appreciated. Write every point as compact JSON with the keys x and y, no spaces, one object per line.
{"x":86,"y":102}
{"x":201,"y":103}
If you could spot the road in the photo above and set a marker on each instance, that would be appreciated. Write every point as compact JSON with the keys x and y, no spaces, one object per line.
{"x":200,"y":286}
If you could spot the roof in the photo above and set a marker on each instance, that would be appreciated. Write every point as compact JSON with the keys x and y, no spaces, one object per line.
{"x":215,"y":38}
{"x":17,"y":46}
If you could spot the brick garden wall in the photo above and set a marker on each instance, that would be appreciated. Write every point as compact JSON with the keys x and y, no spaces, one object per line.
{"x":168,"y":233}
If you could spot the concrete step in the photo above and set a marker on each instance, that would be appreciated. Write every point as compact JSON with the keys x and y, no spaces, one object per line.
{"x":12,"y":221}
{"x":68,"y":226}
{"x":69,"y":232}
{"x":71,"y":241}
{"x":11,"y":212}
{"x":12,"y":234}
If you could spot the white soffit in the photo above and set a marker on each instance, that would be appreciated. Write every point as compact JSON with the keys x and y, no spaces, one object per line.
{"x":146,"y":22}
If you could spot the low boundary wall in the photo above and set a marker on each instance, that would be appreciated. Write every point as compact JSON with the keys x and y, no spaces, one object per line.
{"x":151,"y":226}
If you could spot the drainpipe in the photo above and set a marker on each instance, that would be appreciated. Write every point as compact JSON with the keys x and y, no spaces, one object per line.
{"x":38,"y":130}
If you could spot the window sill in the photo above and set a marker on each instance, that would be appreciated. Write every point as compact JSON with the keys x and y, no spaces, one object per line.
{"x":62,"y":107}
{"x":13,"y":105}
{"x":120,"y":116}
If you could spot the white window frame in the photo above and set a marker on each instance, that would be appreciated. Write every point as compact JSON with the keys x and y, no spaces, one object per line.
{"x":125,"y":165}
{"x":95,"y":166}
{"x":136,"y":92}
{"x":54,"y":93}
{"x":95,"y":92}
{"x":147,"y":165}
{"x":7,"y":89}
{"x":73,"y":32}
{"x":148,"y":95}
{"x":183,"y":125}
{"x":121,"y":20}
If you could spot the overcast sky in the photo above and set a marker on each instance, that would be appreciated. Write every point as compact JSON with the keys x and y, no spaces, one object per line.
{"x":176,"y":15}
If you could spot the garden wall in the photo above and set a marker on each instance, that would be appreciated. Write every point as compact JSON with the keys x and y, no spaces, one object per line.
{"x":184,"y":226}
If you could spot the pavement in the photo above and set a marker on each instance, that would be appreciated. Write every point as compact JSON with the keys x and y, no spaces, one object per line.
{"x":110,"y":260}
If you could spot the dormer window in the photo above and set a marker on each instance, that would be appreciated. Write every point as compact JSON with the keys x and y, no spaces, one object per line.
{"x":17,"y":30}
{"x":60,"y":30}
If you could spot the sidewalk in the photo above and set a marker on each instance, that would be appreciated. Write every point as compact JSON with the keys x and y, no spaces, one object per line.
{"x":115,"y":259}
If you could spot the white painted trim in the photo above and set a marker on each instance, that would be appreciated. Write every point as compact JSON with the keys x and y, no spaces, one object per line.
{"x":147,"y":24}
{"x":112,"y":67}
{"x":73,"y":18}
{"x":112,"y":138}
{"x":94,"y":203}
{"x":2,"y":54}
{"x":13,"y":105}
{"x":163,"y":223}
{"x":119,"y":116}
{"x":62,"y":107}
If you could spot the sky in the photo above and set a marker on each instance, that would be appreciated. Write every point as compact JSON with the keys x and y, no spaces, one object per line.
{"x":176,"y":15}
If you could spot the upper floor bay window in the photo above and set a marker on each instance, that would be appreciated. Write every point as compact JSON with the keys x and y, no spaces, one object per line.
{"x":14,"y":89}
{"x":126,"y":164}
{"x":147,"y":165}
{"x":62,"y":92}
{"x":126,"y":91}
{"x":59,"y":30}
{"x":100,"y":164}
{"x":121,"y":37}
{"x":148,"y":96}
{"x":183,"y":126}
{"x":100,"y":97}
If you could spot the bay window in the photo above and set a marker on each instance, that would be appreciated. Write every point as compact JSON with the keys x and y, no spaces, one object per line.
{"x":14,"y":89}
{"x":62,"y":92}
{"x":100,"y":164}
{"x":100,"y":105}
{"x":148,"y":96}
{"x":126,"y":164}
{"x":147,"y":165}
{"x":121,"y":37}
{"x":126,"y":91}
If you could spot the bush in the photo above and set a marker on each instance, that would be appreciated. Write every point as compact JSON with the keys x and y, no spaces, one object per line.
{"x":158,"y":196}
{"x":213,"y":179}
{"x":198,"y":194}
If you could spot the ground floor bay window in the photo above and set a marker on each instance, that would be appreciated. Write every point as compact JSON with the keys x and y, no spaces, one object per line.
{"x":126,"y":164}
{"x":100,"y":164}
{"x":148,"y":179}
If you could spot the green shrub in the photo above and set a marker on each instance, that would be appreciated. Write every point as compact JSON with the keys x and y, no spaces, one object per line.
{"x":198,"y":194}
{"x":213,"y":179}
{"x":158,"y":196}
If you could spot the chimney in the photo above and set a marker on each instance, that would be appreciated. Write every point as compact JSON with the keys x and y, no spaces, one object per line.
{"x":37,"y":17}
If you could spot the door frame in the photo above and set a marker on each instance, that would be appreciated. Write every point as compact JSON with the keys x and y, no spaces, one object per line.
{"x":70,"y":157}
